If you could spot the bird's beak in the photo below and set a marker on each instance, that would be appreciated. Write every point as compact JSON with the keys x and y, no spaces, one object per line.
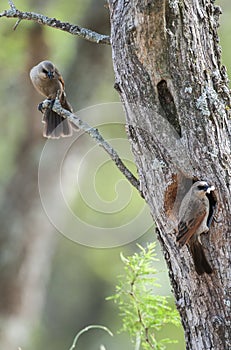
{"x":50,"y":75}
{"x":210,"y":189}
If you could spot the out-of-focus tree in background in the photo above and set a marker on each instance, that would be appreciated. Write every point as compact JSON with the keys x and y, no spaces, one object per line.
{"x":50,"y":286}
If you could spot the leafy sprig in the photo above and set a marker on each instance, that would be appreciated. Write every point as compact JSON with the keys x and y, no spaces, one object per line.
{"x":143,"y":312}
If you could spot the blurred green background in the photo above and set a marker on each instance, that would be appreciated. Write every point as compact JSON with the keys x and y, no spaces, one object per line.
{"x":51,"y":286}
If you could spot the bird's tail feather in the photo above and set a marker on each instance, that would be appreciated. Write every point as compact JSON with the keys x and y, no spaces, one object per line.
{"x":55,"y":126}
{"x":200,"y":261}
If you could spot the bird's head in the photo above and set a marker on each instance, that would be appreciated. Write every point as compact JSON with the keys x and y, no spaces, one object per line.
{"x":201,"y":188}
{"x":46,"y":70}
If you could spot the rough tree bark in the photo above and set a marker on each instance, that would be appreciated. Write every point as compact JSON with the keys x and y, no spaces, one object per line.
{"x":168,"y":71}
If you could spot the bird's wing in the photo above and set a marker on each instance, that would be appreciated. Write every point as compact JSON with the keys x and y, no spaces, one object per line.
{"x":60,"y":78}
{"x":188,"y":225}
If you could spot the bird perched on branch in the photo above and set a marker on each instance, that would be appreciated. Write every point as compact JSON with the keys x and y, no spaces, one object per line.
{"x":48,"y":82}
{"x":193,"y":220}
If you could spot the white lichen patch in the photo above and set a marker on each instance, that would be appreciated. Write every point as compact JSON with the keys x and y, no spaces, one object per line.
{"x":210,"y":98}
{"x":156,"y":164}
{"x":202,"y":104}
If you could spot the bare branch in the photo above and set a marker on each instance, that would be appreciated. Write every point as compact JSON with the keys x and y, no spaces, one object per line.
{"x":84,"y":33}
{"x":12,"y":5}
{"x":16,"y":24}
{"x":94,"y":133}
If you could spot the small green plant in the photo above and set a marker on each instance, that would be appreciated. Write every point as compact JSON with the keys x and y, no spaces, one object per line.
{"x":143,"y":313}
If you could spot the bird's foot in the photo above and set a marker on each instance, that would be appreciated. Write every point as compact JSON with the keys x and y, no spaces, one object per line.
{"x":46,"y":104}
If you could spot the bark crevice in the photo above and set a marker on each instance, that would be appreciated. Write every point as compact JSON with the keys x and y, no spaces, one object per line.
{"x":168,"y":105}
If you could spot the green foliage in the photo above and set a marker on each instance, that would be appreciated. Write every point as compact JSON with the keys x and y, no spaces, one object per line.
{"x":143,"y":313}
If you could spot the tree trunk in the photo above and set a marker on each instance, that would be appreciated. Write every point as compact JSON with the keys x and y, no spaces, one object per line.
{"x":168,"y":72}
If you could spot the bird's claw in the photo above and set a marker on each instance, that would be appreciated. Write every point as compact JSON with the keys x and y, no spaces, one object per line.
{"x":46,"y":104}
{"x":40,"y":107}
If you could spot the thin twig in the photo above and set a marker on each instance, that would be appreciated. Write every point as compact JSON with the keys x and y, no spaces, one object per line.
{"x":16,"y":24}
{"x":73,"y":29}
{"x":139,"y":314}
{"x":12,"y":5}
{"x":94,"y":133}
{"x":86,"y":329}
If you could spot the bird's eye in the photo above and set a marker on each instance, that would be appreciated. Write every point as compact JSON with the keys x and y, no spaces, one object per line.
{"x":202,"y":187}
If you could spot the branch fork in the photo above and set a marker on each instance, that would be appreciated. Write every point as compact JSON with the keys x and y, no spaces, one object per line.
{"x":73,"y":29}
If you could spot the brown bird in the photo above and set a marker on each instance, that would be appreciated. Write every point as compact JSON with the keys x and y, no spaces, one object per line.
{"x":48,"y":82}
{"x":193,"y":220}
